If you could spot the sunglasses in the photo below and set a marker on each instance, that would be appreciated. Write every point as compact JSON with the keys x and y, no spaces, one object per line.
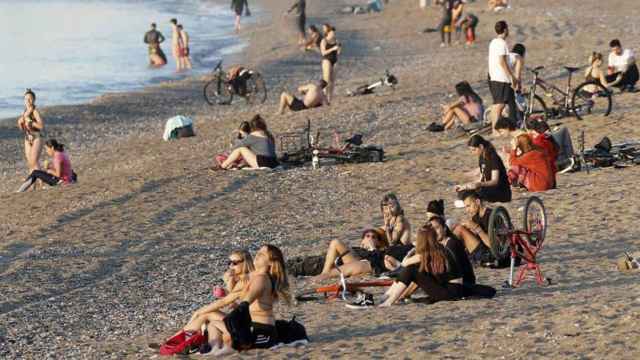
{"x":235,"y":262}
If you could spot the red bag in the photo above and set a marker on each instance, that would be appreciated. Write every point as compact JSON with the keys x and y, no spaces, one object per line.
{"x":183,"y":344}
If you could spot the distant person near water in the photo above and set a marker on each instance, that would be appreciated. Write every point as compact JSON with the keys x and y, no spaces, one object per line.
{"x":622,"y":62}
{"x":154,"y":38}
{"x":238,"y":6}
{"x":32,"y":124}
{"x":184,"y":48}
{"x":329,"y":48}
{"x":300,"y":11}
{"x":175,"y":43}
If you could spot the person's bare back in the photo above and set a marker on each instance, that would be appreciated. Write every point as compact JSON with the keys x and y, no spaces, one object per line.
{"x":313,"y":95}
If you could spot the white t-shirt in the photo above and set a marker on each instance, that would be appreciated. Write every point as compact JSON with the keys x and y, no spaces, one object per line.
{"x":497,"y":48}
{"x":620,"y":62}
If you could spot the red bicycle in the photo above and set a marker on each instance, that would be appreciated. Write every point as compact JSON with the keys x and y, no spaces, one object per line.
{"x":524,"y":244}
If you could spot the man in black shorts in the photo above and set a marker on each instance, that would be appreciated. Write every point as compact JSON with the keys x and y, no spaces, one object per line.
{"x":313,"y":96}
{"x":501,"y":79}
{"x":474,"y":232}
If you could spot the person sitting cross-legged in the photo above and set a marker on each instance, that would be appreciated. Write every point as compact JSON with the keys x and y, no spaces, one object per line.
{"x":474,"y":232}
{"x":313,"y":96}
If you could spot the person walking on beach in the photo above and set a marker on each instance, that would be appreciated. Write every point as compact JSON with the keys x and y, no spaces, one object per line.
{"x":184,"y":48}
{"x":32,"y":124}
{"x":300,"y":6}
{"x":502,"y":82}
{"x":175,"y":44}
{"x":238,"y":6}
{"x":154,"y":38}
{"x":329,"y":48}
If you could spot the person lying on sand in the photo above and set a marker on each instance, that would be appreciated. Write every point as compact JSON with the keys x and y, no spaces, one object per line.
{"x":59,"y":172}
{"x":373,"y":256}
{"x":439,"y":267}
{"x":493,"y":185}
{"x":313,"y":96}
{"x":257,"y":149}
{"x":529,"y":167}
{"x":474,"y":231}
{"x":236,"y":279}
{"x":467,"y":109}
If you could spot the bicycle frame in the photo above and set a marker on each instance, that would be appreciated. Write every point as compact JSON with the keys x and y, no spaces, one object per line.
{"x":548,"y":88}
{"x":518,"y":238}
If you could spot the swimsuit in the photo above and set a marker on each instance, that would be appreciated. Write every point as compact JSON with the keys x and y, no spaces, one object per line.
{"x":31,"y":134}
{"x":297,"y":105}
{"x":332,"y":56}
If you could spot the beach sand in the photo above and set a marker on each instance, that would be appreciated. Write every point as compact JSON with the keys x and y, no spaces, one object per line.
{"x":99,"y":269}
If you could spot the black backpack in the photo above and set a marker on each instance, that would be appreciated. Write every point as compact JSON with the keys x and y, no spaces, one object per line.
{"x":238,"y":323}
{"x":291,"y":331}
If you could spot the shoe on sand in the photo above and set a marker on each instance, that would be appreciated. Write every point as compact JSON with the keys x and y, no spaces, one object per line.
{"x":363,"y":301}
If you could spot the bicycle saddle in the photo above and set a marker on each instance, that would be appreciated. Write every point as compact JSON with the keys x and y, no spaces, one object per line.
{"x":537,"y":68}
{"x":571,"y":69}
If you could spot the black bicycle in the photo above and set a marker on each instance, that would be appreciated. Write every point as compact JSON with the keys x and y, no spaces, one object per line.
{"x":247,"y":83}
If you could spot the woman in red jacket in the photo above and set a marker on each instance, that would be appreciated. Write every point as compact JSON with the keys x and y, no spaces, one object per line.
{"x":529,"y":166}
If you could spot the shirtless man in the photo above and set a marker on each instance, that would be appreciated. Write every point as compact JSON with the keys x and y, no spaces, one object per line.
{"x":313,"y":97}
{"x":184,"y":49}
{"x":175,"y":44}
{"x":153,"y":38}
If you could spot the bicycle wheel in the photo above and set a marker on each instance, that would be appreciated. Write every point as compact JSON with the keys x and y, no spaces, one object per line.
{"x":539,"y":107}
{"x":534,"y":221}
{"x":216,"y":92}
{"x":590,"y":98}
{"x":256,"y":89}
{"x":499,"y":233}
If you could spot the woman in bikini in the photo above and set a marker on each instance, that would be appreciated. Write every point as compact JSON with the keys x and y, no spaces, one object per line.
{"x":32,"y":124}
{"x":595,"y":73}
{"x":329,"y":49}
{"x":268,"y":284}
{"x":236,"y":280}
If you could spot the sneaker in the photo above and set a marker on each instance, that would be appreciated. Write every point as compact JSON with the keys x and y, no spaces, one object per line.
{"x":363,"y":301}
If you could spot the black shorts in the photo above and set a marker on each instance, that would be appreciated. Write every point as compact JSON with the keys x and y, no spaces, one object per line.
{"x":265,"y":336}
{"x":302,"y":22}
{"x":501,"y":92}
{"x":375,"y":259}
{"x":267,"y":161}
{"x":297,"y":105}
{"x":481,"y":255}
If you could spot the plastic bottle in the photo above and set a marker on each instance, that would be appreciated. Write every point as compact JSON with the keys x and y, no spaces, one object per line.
{"x":315,"y":161}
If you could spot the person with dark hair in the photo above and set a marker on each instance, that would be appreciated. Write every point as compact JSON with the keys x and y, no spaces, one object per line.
{"x":467,"y":109}
{"x":301,"y":18}
{"x":515,"y":60}
{"x":184,"y":48}
{"x":529,"y":166}
{"x":622,"y":62}
{"x":153,"y":38}
{"x":238,"y":6}
{"x":467,"y":24}
{"x":238,"y":135}
{"x":313,"y":96}
{"x":176,"y":44}
{"x":474,"y":232}
{"x":502,"y":81}
{"x":313,"y":40}
{"x":433,"y":268}
{"x":31,"y":124}
{"x":542,"y":138}
{"x":493,"y":185}
{"x":258,"y":148}
{"x":329,"y":49}
{"x":445,"y":26}
{"x":59,"y":172}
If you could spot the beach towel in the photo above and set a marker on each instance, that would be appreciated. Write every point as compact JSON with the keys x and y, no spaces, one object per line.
{"x":178,"y":126}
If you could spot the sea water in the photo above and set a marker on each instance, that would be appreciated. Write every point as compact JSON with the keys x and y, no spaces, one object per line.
{"x":70,"y":51}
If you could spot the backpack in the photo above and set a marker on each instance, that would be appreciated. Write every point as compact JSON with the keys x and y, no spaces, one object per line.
{"x":182,"y":344}
{"x":291,"y":331}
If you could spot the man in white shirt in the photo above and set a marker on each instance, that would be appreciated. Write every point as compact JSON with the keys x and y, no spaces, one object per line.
{"x":622,"y":62}
{"x":502,"y":81}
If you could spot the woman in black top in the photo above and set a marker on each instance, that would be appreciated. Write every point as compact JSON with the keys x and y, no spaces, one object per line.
{"x":329,"y":48}
{"x":494,"y":184}
{"x":433,"y":268}
{"x":238,"y":7}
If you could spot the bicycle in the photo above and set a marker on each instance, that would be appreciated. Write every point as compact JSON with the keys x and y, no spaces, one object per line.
{"x":524,"y":244}
{"x":387,"y":80}
{"x":340,"y":290}
{"x":248,"y":84}
{"x":588,"y":98}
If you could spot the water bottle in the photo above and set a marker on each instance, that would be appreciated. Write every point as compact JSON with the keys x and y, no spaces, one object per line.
{"x":315,"y":161}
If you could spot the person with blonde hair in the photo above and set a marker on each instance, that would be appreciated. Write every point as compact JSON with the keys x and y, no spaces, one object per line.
{"x":268,"y":284}
{"x":596,"y":74}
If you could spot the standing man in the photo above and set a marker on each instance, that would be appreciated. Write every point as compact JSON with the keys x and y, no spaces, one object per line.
{"x":501,"y":80}
{"x":175,"y":44}
{"x":238,"y":6}
{"x":300,"y":6}
{"x":445,"y":23}
{"x":622,"y":62}
{"x":184,"y":48}
{"x":153,"y":38}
